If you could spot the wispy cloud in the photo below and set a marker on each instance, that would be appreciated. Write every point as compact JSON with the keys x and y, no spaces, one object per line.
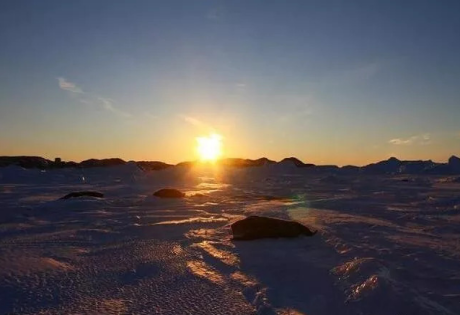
{"x":90,"y":99}
{"x":69,"y":86}
{"x":197,"y":123}
{"x":423,"y":139}
{"x":108,"y":104}
{"x":193,"y":121}
{"x":399,"y":141}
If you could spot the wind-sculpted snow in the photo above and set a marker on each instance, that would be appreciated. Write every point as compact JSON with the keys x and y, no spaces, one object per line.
{"x":386,"y":244}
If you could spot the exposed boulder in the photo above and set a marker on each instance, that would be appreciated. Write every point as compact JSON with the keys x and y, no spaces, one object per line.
{"x":169,"y":193}
{"x":83,"y":194}
{"x":255,"y":227}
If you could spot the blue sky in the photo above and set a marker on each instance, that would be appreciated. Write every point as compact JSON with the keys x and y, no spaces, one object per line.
{"x":342,"y":82}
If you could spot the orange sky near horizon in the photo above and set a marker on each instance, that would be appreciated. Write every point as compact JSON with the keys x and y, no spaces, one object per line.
{"x":185,"y":150}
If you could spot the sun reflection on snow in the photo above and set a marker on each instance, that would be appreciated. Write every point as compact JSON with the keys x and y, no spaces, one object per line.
{"x":194,"y":220}
{"x":202,"y":270}
{"x":224,"y":256}
{"x":368,"y":285}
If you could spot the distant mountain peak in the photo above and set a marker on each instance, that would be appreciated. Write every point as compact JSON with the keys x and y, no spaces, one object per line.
{"x":295,"y":161}
{"x":292,"y":159}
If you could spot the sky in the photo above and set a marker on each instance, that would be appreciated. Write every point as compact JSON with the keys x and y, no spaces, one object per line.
{"x":330,"y":82}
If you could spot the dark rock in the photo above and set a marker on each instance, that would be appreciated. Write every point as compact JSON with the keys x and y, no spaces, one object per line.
{"x":169,"y":193}
{"x":83,"y":194}
{"x":254,"y":227}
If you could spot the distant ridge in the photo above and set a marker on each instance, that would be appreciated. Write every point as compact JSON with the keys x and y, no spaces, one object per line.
{"x":101,"y":163}
{"x":246,"y":162}
{"x":390,"y":166}
{"x":296,"y":162}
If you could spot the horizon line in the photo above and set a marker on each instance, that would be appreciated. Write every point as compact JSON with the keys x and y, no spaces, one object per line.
{"x":225,"y":158}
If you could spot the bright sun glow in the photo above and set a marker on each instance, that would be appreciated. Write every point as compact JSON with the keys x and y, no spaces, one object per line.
{"x":210,"y":147}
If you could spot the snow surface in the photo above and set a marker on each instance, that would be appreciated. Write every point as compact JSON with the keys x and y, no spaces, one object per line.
{"x":386,"y":244}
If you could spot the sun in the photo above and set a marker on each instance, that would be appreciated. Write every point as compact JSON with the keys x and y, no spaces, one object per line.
{"x":209,"y":148}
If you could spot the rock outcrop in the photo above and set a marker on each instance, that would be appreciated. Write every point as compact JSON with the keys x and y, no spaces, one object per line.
{"x":255,"y":227}
{"x":169,"y":193}
{"x":83,"y":194}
